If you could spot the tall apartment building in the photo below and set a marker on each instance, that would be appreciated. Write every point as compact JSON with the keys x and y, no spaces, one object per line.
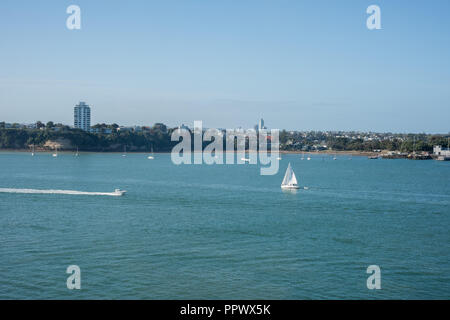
{"x":82,"y":116}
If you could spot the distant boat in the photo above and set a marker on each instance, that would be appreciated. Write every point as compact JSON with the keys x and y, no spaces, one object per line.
{"x":124,"y":151}
{"x":119,"y":192}
{"x":334,"y":158}
{"x":151,"y":157}
{"x":32,"y":152}
{"x":373,"y":157}
{"x":309,"y":158}
{"x":303,"y":156}
{"x":56,"y":152}
{"x":245,"y":159}
{"x":76,"y":154}
{"x":289,"y":181}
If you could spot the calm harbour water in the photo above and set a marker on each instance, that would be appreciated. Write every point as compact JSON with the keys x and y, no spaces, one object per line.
{"x":224,"y":231}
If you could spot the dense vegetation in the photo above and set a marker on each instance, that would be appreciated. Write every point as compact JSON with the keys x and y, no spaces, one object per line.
{"x":154,"y":138}
{"x":348,"y":141}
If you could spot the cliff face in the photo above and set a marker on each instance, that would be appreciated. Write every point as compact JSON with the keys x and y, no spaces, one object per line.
{"x":62,"y":144}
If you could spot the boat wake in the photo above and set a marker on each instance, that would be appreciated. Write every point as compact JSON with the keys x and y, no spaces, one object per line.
{"x":116,"y":193}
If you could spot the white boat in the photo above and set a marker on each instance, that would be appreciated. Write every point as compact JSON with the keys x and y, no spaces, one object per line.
{"x":76,"y":154}
{"x":119,"y":192}
{"x":245,"y":159}
{"x":56,"y":152}
{"x":32,"y":152}
{"x":124,"y":151}
{"x":309,"y":158}
{"x":289,"y":181}
{"x":303,"y":156}
{"x":151,"y":157}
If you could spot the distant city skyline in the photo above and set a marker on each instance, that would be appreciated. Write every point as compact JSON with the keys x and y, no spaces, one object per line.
{"x":300,"y":65}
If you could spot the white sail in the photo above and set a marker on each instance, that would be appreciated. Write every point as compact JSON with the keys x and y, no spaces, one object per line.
{"x":289,"y":178}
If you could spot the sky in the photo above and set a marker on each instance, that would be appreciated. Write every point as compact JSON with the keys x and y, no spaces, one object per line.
{"x":300,"y":65}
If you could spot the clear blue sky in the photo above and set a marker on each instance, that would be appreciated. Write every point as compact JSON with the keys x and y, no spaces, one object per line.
{"x":305,"y":65}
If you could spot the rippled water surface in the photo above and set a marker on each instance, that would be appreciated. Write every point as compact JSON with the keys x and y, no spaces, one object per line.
{"x":223,"y":231}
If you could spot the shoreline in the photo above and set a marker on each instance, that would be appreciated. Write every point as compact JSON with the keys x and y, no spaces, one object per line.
{"x":324,"y":152}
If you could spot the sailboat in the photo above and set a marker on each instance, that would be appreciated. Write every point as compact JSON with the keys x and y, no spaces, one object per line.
{"x":334,"y":158}
{"x":289,"y":181}
{"x":32,"y":152}
{"x":151,"y":157}
{"x":56,"y":152}
{"x":303,"y":156}
{"x":76,"y":154}
{"x":309,"y":158}
{"x":124,"y":151}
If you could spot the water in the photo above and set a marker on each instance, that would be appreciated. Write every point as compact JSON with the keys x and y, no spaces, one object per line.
{"x":223,"y":231}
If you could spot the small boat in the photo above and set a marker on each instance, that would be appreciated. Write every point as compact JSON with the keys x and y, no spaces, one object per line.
{"x":56,"y":152}
{"x":32,"y":152}
{"x":334,"y":158}
{"x":309,"y":158}
{"x":245,"y":159}
{"x":124,"y":151}
{"x":374,"y":157}
{"x":289,"y":181}
{"x":303,"y":156}
{"x":119,"y":192}
{"x":76,"y":154}
{"x":151,"y":157}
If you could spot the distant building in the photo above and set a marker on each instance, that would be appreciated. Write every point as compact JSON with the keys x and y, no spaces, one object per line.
{"x":260,"y":126}
{"x":124,"y":129}
{"x":82,"y":116}
{"x":439,"y":151}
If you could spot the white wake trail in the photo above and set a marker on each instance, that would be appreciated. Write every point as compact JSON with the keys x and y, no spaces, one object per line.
{"x":71,"y":192}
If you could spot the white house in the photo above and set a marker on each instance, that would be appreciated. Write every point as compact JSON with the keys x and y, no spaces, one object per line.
{"x":439,"y":151}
